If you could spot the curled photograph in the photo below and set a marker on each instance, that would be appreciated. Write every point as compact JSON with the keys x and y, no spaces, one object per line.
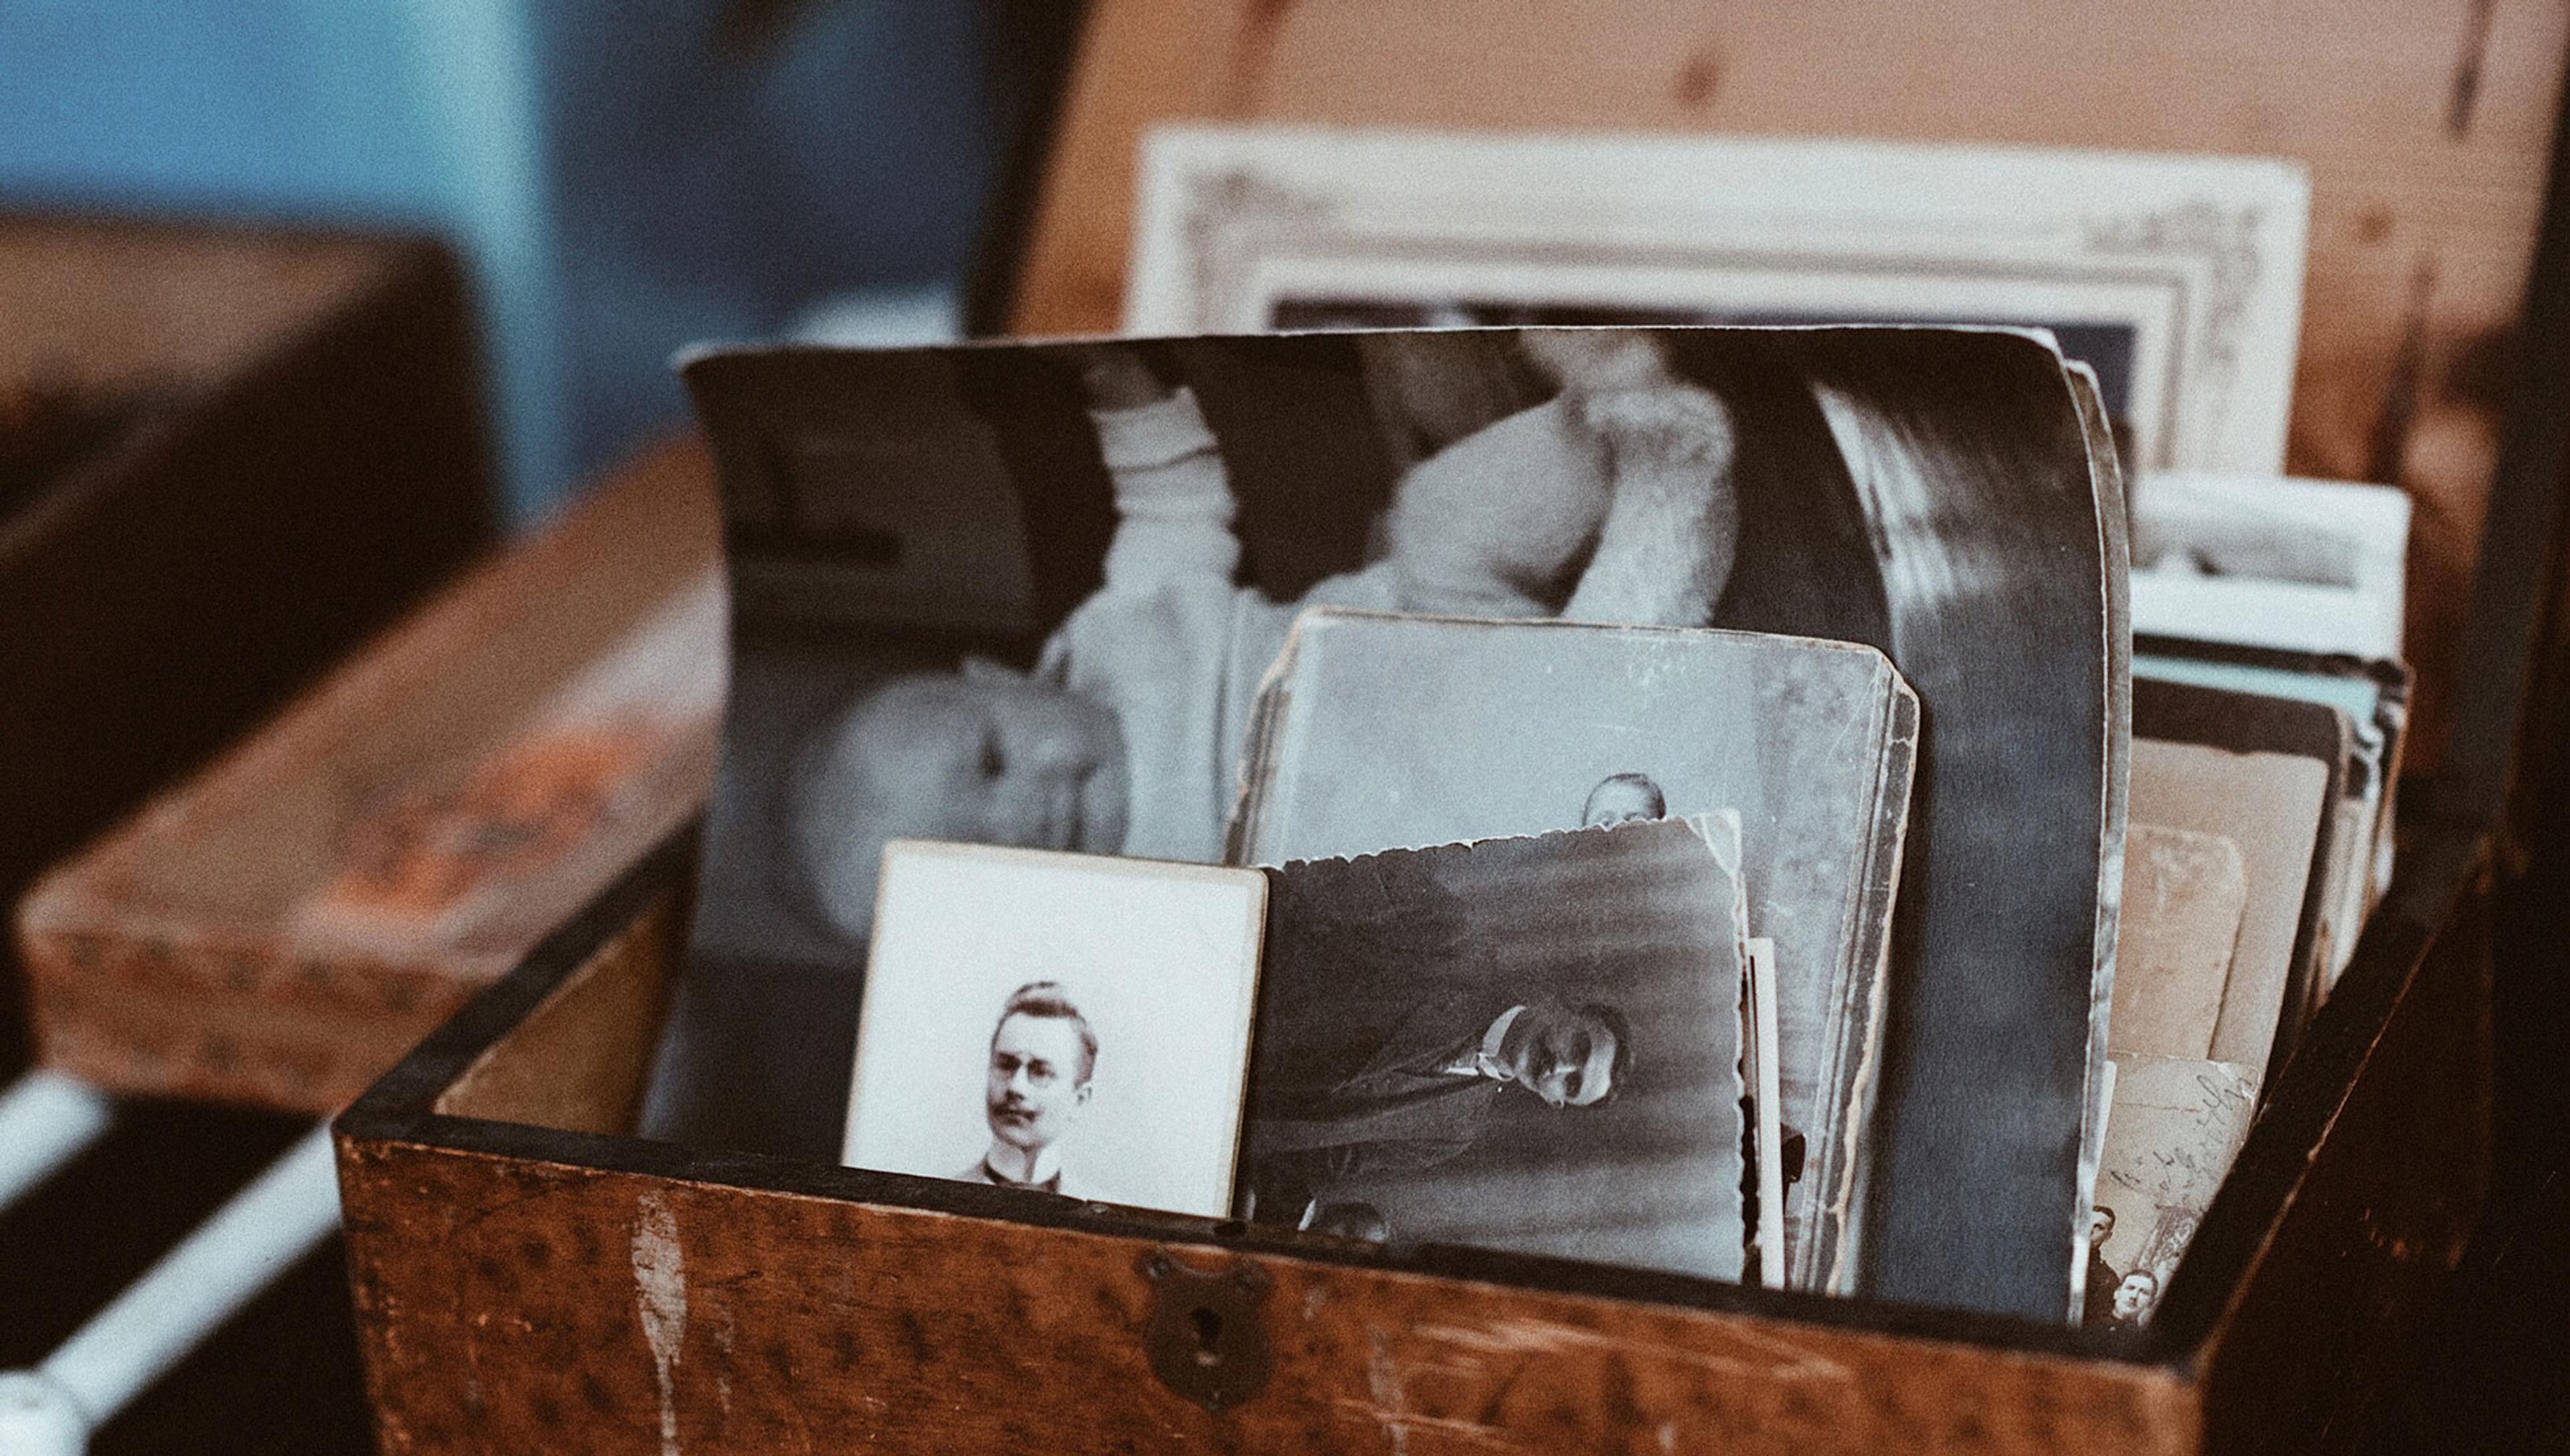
{"x":1026,"y":594}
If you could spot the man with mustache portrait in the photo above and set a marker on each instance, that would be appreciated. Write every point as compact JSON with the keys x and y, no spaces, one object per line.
{"x":1042,"y":1058}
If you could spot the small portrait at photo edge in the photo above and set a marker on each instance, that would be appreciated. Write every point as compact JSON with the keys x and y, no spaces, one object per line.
{"x":1075,"y":1024}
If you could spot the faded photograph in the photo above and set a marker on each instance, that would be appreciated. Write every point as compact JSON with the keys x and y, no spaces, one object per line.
{"x":1528,"y":1044}
{"x":1069,"y":1025}
{"x":1123,"y":533}
{"x":1513,"y":728}
{"x":2176,"y":1124}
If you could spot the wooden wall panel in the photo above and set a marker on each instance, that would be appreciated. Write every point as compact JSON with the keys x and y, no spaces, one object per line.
{"x":2427,"y":126}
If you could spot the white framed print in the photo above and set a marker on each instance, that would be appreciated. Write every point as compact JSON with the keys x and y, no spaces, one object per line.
{"x":2179,"y":279}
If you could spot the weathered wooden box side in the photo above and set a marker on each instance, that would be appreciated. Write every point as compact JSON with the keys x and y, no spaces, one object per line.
{"x":2364,"y":1177}
{"x":524,"y":1271}
{"x":281,"y":926}
{"x":299,"y":454}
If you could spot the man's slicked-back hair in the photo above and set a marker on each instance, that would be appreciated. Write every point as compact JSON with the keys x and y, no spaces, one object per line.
{"x":1621,"y":1064}
{"x":1048,"y":998}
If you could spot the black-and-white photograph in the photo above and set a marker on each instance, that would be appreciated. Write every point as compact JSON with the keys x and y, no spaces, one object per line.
{"x":2293,"y":565}
{"x":1530,"y":1045}
{"x":1516,"y":728}
{"x":1026,"y":594}
{"x":1076,"y":1024}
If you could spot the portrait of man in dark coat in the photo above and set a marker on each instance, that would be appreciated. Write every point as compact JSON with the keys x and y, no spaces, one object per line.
{"x":1425,"y":1091}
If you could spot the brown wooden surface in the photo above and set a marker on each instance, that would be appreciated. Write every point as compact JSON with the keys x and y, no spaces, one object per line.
{"x":2425,"y":125}
{"x":280,"y":928}
{"x":509,"y":1277}
{"x":579,"y":1060}
{"x":507,"y":1302}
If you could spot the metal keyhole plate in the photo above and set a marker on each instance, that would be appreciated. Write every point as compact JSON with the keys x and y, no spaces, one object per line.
{"x":1204,"y":1336}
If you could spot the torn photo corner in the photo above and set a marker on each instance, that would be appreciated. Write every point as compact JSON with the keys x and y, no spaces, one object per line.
{"x":1127,"y":530}
{"x":1528,"y":1044}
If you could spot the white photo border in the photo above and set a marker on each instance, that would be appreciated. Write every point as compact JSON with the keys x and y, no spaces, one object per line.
{"x":2200,"y":256}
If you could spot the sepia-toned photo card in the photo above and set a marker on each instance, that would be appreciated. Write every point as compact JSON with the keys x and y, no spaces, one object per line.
{"x":1514,"y":728}
{"x":2270,"y":805}
{"x":2271,"y":562}
{"x":1075,"y":1024}
{"x":1025,"y":592}
{"x":2176,"y":1124}
{"x":2371,"y":696}
{"x":1528,"y":1044}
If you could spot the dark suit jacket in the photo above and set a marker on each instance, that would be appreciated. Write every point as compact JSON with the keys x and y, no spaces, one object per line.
{"x":1313,"y":1125}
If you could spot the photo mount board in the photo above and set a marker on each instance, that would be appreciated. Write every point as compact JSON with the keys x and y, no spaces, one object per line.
{"x":2179,"y":276}
{"x":1127,"y":948}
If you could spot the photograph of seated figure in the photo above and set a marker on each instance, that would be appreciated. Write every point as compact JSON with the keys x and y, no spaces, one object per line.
{"x":1426,"y":1092}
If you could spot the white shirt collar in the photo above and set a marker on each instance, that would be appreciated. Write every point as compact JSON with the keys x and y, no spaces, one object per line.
{"x":1000,"y":1156}
{"x":1484,"y":1060}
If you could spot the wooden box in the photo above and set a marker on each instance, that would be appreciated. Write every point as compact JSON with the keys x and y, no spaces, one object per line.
{"x":283,"y":927}
{"x":529,"y":1275}
{"x":295,"y":453}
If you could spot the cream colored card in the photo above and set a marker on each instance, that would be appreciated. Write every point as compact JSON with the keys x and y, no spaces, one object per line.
{"x":2184,"y":896}
{"x":2176,"y":1124}
{"x":2270,"y":805}
{"x":1076,"y":1023}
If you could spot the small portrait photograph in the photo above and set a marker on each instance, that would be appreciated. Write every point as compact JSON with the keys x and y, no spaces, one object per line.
{"x":1073,"y":1025}
{"x":1528,"y":1044}
{"x":2174,"y":1127}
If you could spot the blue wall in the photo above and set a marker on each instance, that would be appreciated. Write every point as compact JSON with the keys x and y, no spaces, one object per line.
{"x":618,"y":182}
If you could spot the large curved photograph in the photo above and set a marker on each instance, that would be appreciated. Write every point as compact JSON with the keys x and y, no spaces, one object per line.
{"x":1025,"y":594}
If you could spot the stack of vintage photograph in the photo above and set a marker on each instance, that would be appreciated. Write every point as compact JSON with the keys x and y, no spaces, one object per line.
{"x":1755,"y":775}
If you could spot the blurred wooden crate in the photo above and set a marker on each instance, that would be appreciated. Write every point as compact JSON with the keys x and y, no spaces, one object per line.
{"x":281,"y":927}
{"x":290,"y":448}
